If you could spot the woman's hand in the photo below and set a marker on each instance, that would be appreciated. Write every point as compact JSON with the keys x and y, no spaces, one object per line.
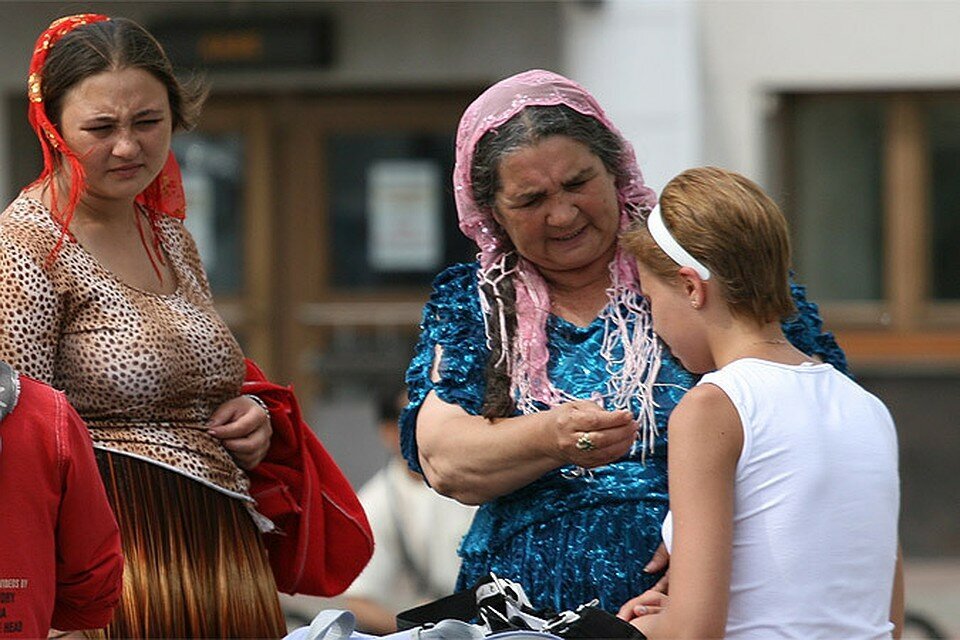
{"x":654,"y":599}
{"x":659,"y":562}
{"x":244,"y":428}
{"x":647,"y":603}
{"x":589,"y":436}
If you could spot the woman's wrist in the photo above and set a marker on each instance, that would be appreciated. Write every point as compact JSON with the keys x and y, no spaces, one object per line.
{"x":259,"y":402}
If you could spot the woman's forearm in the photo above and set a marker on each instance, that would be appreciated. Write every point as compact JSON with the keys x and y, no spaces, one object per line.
{"x":473,"y":460}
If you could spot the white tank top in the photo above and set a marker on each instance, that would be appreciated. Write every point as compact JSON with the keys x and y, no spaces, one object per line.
{"x":816,"y":505}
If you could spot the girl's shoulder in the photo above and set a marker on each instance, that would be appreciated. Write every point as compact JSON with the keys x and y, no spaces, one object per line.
{"x":25,"y":211}
{"x":707,"y":421}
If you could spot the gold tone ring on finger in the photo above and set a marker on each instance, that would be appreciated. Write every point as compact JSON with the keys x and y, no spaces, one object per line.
{"x":584,"y":443}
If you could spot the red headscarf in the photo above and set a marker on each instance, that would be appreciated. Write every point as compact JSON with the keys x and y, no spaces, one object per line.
{"x":162,"y":196}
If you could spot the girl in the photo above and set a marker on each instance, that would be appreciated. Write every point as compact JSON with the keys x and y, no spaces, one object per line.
{"x":784,"y":489}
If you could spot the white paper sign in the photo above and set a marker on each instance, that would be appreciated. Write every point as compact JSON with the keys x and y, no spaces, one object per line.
{"x":404,"y":225}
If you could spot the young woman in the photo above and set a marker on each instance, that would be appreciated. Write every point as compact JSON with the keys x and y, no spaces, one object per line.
{"x":103,"y":295}
{"x":784,"y":489}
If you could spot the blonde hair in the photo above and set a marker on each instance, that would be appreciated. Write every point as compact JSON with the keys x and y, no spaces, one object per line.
{"x":728,"y":223}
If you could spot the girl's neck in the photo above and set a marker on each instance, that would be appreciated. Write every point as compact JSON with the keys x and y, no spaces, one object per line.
{"x":97,"y":213}
{"x":743,"y":338}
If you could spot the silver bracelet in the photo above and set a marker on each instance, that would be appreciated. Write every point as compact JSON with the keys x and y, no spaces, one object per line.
{"x":259,"y":401}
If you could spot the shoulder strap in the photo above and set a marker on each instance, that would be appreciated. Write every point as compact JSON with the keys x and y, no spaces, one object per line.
{"x":460,"y":606}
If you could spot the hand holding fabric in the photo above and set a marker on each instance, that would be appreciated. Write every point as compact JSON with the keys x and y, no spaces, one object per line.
{"x":244,"y":428}
{"x":589,"y":436}
{"x":647,"y":603}
{"x":323,"y":539}
{"x":659,"y":562}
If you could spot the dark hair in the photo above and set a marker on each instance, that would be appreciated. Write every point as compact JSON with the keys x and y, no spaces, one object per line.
{"x":497,"y":401}
{"x":118,"y":43}
{"x":527,"y":128}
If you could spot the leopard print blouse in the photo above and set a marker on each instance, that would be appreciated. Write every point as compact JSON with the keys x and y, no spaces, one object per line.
{"x":145,"y":370}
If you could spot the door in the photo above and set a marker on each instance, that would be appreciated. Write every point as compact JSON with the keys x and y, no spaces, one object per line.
{"x":369,"y":220}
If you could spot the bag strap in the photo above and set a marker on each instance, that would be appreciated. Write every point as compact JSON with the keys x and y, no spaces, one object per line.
{"x":459,"y":606}
{"x":331,"y":624}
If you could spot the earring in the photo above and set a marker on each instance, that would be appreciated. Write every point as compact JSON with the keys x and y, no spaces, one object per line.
{"x":695,"y":304}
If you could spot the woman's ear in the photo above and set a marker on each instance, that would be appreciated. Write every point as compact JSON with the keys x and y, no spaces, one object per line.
{"x":694,"y":286}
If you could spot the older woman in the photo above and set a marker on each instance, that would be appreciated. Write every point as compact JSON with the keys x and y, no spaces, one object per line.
{"x":538,"y":389}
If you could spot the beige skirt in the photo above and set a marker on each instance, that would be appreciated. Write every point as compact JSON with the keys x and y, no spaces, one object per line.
{"x":194,"y":561}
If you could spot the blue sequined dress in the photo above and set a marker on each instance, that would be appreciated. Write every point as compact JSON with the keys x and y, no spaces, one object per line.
{"x":566,"y":540}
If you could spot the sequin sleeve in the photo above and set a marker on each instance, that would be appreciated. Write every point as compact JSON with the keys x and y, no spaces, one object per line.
{"x":805,"y":331}
{"x":452,"y":327}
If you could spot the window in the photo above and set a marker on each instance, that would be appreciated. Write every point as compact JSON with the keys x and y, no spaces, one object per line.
{"x":392,"y":214}
{"x":871,"y":184}
{"x":837,"y":198}
{"x":212,"y":168}
{"x":942,"y":117}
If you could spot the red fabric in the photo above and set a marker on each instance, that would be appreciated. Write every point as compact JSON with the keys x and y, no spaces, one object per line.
{"x":324,"y":539}
{"x":51,"y":143}
{"x":61,"y":564}
{"x":165,"y":193}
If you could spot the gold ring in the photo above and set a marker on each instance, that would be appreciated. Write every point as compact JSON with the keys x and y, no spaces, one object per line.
{"x":584,"y":443}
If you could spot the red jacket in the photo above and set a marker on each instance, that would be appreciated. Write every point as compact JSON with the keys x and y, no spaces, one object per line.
{"x":324,"y":539}
{"x":61,"y":564}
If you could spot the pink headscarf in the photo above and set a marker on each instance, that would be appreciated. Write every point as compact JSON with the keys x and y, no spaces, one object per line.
{"x":527,"y":358}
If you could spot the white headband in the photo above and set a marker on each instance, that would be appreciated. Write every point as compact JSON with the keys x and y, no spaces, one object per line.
{"x":670,"y":246}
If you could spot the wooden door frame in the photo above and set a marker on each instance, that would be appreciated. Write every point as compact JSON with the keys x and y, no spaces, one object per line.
{"x":251,"y":312}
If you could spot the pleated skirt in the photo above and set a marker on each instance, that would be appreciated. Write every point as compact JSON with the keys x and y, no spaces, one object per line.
{"x":194,"y":561}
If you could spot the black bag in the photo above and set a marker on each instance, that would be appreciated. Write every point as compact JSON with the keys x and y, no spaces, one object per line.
{"x":501,"y":605}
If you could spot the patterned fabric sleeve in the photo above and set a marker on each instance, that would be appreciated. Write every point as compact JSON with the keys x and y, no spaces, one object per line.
{"x":30,"y":311}
{"x":805,"y":331}
{"x":452,"y":326}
